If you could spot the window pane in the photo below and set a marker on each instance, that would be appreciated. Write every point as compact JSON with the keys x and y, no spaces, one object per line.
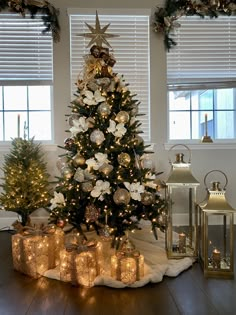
{"x":206,"y":100}
{"x":179,"y":100}
{"x":40,"y":125}
{"x":179,"y":125}
{"x":39,"y":97}
{"x":225,"y":125}
{"x":15,"y":97}
{"x":211,"y":111}
{"x":11,"y":124}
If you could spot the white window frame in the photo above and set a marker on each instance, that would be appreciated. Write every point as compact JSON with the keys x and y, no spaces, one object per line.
{"x":183,"y":73}
{"x":26,"y":59}
{"x":138,"y":75}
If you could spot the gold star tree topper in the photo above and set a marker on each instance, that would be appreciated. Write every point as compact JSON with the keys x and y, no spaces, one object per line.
{"x":98,"y":35}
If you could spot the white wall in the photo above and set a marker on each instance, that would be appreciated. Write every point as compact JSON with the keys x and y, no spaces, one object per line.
{"x":204,"y":157}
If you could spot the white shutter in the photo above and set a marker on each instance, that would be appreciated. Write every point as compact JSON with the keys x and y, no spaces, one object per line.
{"x":130,"y":49}
{"x":205,"y":55}
{"x":25,"y":53}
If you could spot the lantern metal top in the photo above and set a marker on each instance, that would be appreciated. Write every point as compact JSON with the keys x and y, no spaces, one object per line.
{"x":216,"y":201}
{"x":180,"y":174}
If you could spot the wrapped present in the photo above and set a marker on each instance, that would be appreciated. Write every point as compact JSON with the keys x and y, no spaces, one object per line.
{"x":127,"y":265}
{"x":59,"y":242}
{"x":81,"y":263}
{"x":36,"y":249}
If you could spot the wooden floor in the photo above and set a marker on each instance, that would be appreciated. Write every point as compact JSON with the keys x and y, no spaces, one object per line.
{"x":189,"y":293}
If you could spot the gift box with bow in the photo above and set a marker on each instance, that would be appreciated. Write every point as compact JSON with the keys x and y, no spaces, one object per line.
{"x":81,"y":263}
{"x":36,"y":249}
{"x":127,"y":265}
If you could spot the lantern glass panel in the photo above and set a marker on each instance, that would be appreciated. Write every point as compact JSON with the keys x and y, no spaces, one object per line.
{"x":218,"y":249}
{"x":182,"y":222}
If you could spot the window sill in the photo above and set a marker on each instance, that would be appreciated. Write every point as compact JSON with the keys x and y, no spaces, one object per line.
{"x":202,"y":146}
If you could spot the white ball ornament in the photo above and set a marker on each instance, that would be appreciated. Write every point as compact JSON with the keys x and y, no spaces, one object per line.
{"x":97,"y":136}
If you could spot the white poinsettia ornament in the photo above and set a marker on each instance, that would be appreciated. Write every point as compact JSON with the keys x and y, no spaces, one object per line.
{"x":93,"y":98}
{"x":57,"y":201}
{"x":118,"y":130}
{"x":135,"y":189}
{"x":100,"y":189}
{"x":79,"y":125}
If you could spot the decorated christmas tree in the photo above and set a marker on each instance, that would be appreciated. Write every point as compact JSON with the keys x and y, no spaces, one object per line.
{"x":104,"y":182}
{"x":25,"y":185}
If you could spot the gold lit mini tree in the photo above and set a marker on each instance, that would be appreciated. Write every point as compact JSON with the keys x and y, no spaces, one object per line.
{"x":104,"y":180}
{"x":25,"y":185}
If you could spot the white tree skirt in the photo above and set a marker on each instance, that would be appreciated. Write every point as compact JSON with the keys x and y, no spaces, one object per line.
{"x":156,"y":264}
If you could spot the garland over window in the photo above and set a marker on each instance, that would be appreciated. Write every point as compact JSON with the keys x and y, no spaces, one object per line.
{"x":49,"y":13}
{"x":166,"y":19}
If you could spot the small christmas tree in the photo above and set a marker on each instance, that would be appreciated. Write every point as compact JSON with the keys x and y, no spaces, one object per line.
{"x":25,"y":183}
{"x":103,"y":181}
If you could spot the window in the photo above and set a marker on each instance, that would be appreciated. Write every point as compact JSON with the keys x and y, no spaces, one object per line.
{"x":131,"y":51}
{"x":201,"y":75}
{"x":26,"y":76}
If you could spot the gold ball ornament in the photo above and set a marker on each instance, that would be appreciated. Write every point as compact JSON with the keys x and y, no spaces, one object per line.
{"x":124,"y":159}
{"x":138,"y":140}
{"x":104,"y":109}
{"x":122,"y":117}
{"x":121,"y":196}
{"x":97,"y":136}
{"x":67,"y":172}
{"x":87,"y":186}
{"x":105,"y":168}
{"x":147,"y":198}
{"x":91,"y":213}
{"x":78,"y":160}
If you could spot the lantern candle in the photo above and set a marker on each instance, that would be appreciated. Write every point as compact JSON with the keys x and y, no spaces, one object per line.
{"x":216,"y":258}
{"x":182,"y":243}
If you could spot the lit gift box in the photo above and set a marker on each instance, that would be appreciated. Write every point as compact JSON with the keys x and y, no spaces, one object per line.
{"x":59,"y":240}
{"x":81,"y":263}
{"x":36,"y":250}
{"x":127,"y":265}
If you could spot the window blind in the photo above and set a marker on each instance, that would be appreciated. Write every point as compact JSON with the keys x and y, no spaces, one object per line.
{"x":205,"y":55}
{"x":130,"y":49}
{"x":25,"y":53}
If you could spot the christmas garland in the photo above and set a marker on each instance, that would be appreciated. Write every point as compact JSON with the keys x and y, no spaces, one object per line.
{"x":165,"y":19}
{"x":49,"y":13}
